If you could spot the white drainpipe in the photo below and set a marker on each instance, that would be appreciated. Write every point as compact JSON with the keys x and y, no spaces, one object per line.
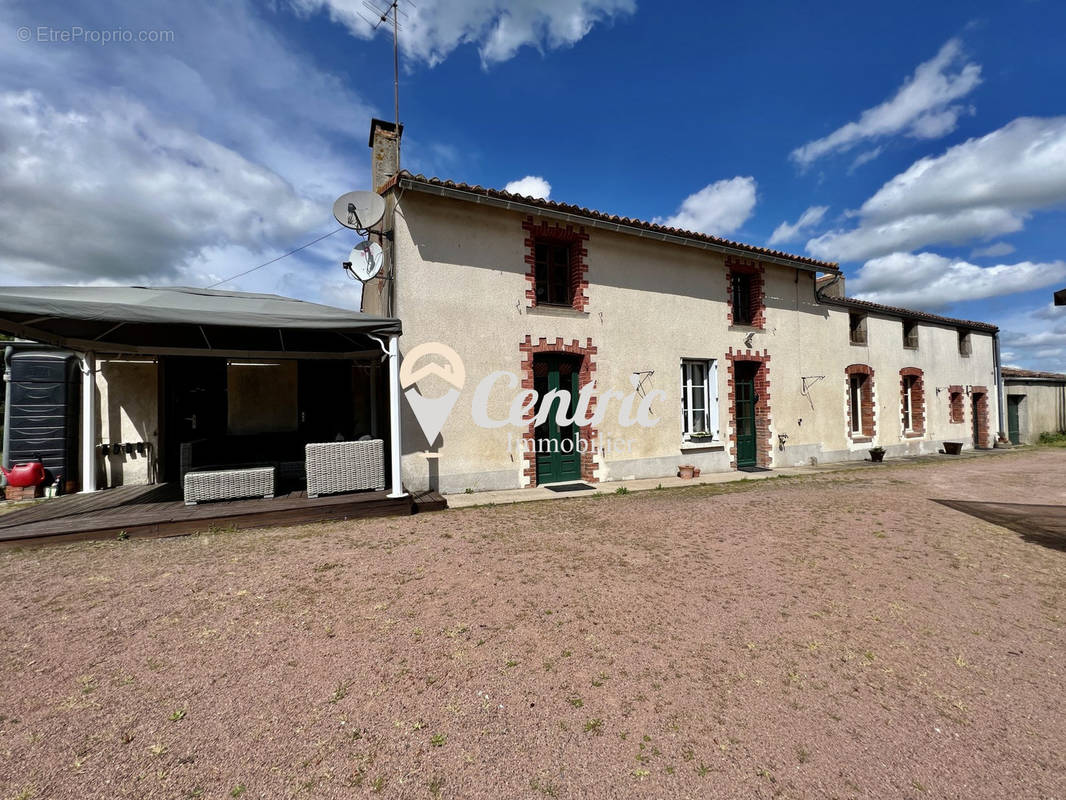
{"x":394,"y":415}
{"x":88,"y":422}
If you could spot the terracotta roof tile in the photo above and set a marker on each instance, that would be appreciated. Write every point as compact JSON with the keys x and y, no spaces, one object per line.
{"x":613,"y":218}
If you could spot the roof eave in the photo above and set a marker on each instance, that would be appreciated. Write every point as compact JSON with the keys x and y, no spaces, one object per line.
{"x":904,"y":313}
{"x":410,"y":182}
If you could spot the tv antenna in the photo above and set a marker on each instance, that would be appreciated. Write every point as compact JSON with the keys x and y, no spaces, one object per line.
{"x":382,"y":17}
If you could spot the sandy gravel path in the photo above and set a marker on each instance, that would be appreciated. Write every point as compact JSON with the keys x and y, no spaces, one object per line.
{"x":839,"y":635}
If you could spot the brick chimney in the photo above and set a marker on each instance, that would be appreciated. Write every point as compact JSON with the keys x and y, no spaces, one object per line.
{"x":385,"y":147}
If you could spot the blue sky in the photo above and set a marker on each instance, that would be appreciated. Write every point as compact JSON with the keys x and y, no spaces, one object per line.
{"x":922,"y":145}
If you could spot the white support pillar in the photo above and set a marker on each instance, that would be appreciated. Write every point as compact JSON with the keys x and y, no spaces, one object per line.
{"x":394,"y":416}
{"x":88,"y":422}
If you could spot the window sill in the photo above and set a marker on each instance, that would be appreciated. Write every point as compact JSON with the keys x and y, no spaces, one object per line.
{"x":913,"y":435}
{"x":556,"y":310}
{"x":910,"y":347}
{"x":746,"y":327}
{"x":714,"y":444}
{"x":861,"y":439}
{"x":859,"y":344}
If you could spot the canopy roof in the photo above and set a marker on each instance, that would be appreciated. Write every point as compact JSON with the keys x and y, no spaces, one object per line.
{"x":176,"y":320}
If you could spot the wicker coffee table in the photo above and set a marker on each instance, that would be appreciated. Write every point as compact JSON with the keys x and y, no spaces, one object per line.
{"x":228,"y":484}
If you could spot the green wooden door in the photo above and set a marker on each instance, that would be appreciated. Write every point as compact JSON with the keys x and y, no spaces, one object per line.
{"x":973,"y":419}
{"x":558,"y":458}
{"x":1014,"y":402}
{"x":744,"y":394}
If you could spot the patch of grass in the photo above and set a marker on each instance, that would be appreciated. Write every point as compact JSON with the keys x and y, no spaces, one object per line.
{"x":594,"y":726}
{"x":1053,"y":439}
{"x":378,"y":783}
{"x":621,"y":490}
{"x":238,"y":790}
{"x":600,"y":679}
{"x":340,"y":692}
{"x":803,"y":755}
{"x":703,"y":770}
{"x":436,"y":783}
{"x":437,"y":740}
{"x":576,"y":702}
{"x":177,"y":715}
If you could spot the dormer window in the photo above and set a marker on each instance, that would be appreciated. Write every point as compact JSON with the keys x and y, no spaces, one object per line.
{"x":553,"y":284}
{"x":857,"y":325}
{"x":910,"y":334}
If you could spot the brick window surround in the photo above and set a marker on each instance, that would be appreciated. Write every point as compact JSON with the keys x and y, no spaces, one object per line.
{"x":556,"y":234}
{"x":744,"y":266}
{"x":866,"y":403}
{"x":528,"y":348}
{"x":917,"y":402}
{"x":956,"y":404}
{"x":983,"y":439}
{"x":763,"y":445}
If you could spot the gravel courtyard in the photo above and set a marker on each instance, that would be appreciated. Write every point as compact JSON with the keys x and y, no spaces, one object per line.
{"x":840,"y":635}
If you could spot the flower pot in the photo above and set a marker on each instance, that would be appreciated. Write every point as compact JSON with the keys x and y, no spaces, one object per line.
{"x":686,"y":471}
{"x":877,"y":455}
{"x":695,"y":472}
{"x":953,"y":448}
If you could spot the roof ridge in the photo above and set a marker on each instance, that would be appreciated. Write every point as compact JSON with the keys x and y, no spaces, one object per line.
{"x":635,"y":222}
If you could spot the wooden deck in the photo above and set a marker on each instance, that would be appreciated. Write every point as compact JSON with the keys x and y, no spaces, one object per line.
{"x":156,"y":511}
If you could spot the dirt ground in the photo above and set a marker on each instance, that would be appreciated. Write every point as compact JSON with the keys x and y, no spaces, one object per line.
{"x":841,"y":635}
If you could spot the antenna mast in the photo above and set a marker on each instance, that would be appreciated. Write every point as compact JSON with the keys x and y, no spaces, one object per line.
{"x":393,"y":10}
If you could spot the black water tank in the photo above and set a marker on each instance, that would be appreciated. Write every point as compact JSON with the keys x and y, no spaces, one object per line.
{"x":43,"y":426}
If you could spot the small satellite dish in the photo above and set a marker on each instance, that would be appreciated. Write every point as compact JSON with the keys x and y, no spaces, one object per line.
{"x":359,"y":210}
{"x":365,"y":260}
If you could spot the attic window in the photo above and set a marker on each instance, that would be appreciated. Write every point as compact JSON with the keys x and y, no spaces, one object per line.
{"x":553,"y":282}
{"x":965,"y":347}
{"x":910,"y":334}
{"x":857,"y":324}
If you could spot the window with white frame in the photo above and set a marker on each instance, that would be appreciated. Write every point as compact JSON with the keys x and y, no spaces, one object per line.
{"x":908,"y":403}
{"x":699,"y":399}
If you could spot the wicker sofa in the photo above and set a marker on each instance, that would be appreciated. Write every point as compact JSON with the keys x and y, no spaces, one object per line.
{"x":345,"y":466}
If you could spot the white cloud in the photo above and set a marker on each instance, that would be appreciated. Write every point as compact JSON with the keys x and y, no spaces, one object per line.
{"x":808,"y":219}
{"x":1035,"y":338}
{"x":112,"y":192}
{"x":982,"y":188}
{"x":195,"y":169}
{"x":993,"y":250}
{"x":921,"y":108}
{"x":530,"y":186}
{"x":930,"y":281}
{"x":718,"y":208}
{"x":865,"y":157}
{"x":432,"y":29}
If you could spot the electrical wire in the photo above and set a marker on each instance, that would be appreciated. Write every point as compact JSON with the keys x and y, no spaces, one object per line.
{"x":273,"y":260}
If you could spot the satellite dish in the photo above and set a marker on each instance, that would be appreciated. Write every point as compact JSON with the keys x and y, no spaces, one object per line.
{"x":365,"y":260}
{"x":359,"y":210}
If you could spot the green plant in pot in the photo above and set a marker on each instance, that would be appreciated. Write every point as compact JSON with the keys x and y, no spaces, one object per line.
{"x":701,"y":436}
{"x":877,"y":454}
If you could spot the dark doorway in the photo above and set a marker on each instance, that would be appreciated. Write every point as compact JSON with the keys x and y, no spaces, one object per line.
{"x":975,"y":404}
{"x":327,"y":410}
{"x":1014,"y":404}
{"x":744,"y":412}
{"x":558,"y":458}
{"x":194,"y":406}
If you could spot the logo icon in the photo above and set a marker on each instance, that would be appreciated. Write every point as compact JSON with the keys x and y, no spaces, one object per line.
{"x":432,"y":412}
